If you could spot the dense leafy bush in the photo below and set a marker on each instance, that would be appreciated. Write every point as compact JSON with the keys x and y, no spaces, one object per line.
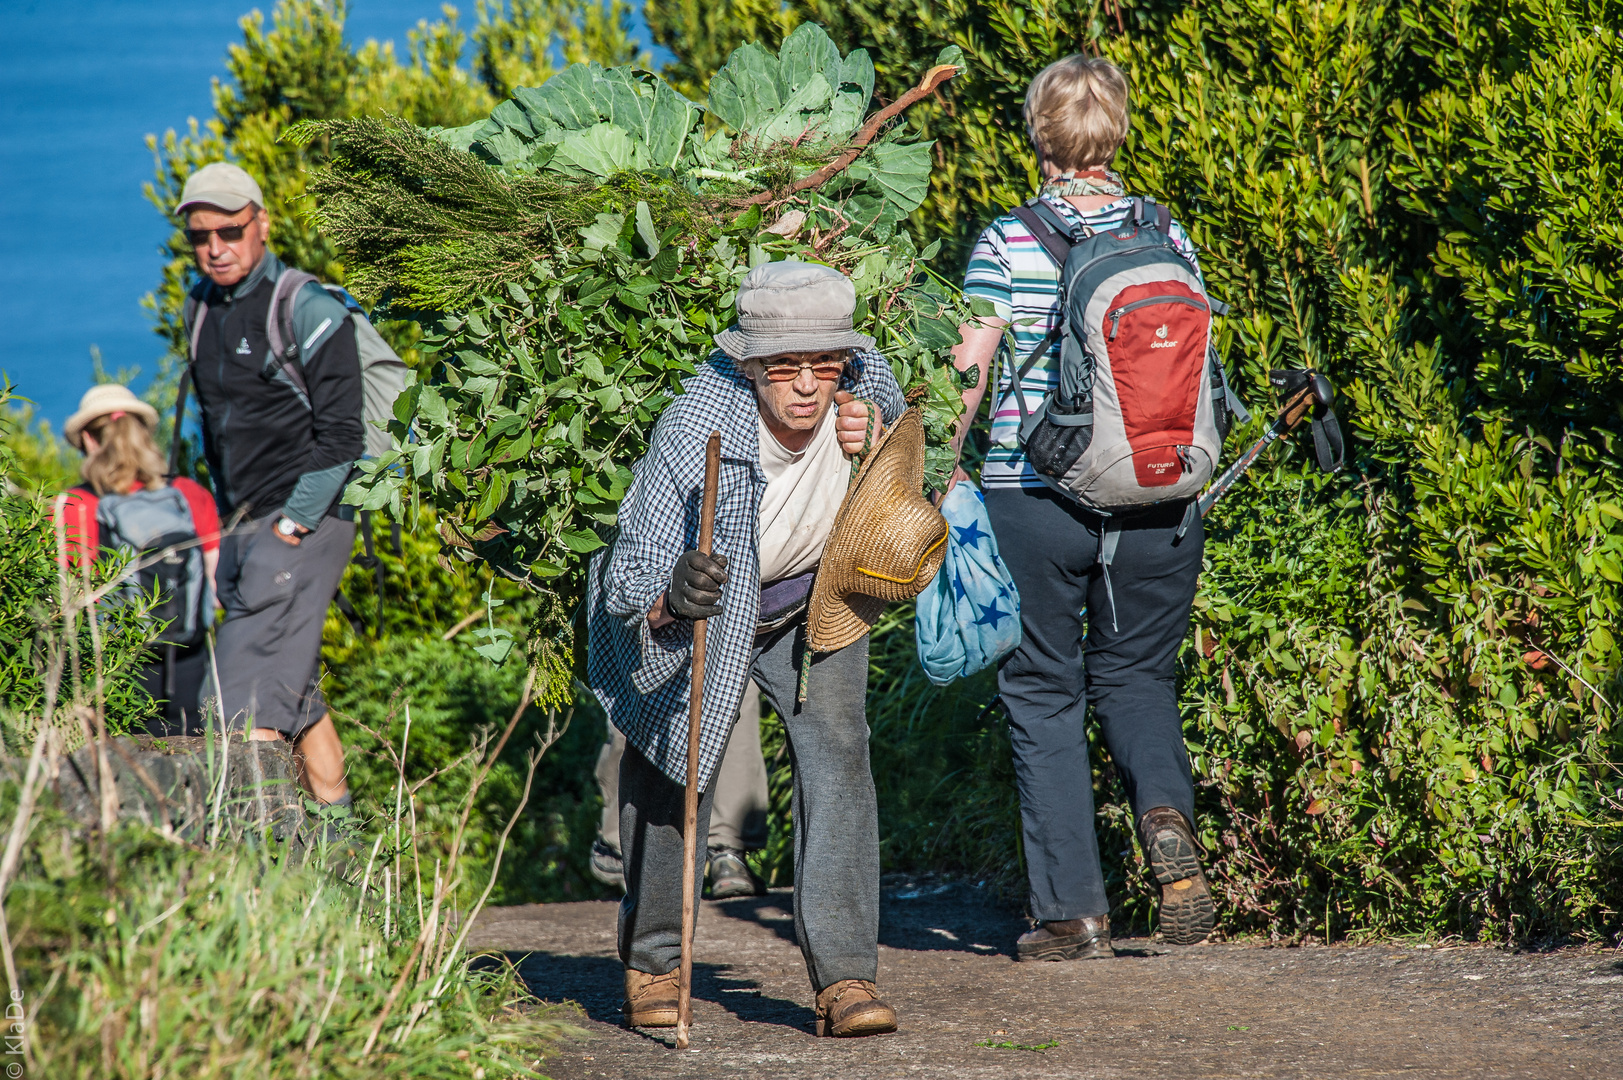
{"x":578,"y":252}
{"x":1400,"y":689}
{"x":1400,"y":692}
{"x":53,"y":669}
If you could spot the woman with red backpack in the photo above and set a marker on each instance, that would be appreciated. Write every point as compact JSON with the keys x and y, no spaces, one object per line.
{"x":167,"y":528}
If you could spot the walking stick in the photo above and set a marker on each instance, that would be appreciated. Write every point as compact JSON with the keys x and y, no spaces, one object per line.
{"x":1305,"y":391}
{"x":690,"y":817}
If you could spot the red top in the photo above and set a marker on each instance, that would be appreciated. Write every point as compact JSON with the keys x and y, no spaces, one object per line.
{"x":84,"y":535}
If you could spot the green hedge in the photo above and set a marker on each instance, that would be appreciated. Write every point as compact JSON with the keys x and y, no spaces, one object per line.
{"x":1400,"y":692}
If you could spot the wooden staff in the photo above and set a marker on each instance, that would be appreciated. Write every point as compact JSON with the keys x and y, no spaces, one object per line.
{"x":690,"y":818}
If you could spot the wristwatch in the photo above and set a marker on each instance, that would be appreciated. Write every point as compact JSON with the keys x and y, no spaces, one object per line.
{"x":287,"y":526}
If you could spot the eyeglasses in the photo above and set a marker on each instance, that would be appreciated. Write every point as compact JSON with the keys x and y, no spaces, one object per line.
{"x":228,"y":234}
{"x":828,"y":368}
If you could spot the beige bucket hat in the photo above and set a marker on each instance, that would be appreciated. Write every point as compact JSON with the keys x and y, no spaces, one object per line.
{"x":887,"y":543}
{"x":792,"y":307}
{"x":104,"y":399}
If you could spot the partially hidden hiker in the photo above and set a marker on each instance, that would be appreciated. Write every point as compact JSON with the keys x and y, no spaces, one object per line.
{"x":282,"y":428}
{"x":795,"y":393}
{"x":738,"y":821}
{"x":166,"y":528}
{"x":1107,"y":421}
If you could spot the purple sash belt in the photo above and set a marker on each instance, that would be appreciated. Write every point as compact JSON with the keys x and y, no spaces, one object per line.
{"x":782,"y":601}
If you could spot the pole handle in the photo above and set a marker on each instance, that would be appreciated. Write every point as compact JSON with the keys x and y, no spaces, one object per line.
{"x":690,"y":818}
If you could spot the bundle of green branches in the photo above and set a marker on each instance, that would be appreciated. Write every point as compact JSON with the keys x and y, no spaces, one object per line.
{"x":573,"y":256}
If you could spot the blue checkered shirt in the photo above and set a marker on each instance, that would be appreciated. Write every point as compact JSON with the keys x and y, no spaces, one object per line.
{"x":642,"y":675}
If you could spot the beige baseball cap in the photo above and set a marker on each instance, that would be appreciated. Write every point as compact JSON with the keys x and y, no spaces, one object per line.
{"x":220,"y":184}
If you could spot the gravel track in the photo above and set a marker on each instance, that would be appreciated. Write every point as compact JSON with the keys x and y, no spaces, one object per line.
{"x":945,"y":963}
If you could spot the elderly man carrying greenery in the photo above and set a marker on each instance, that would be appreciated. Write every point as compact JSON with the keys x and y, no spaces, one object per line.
{"x":786,"y":450}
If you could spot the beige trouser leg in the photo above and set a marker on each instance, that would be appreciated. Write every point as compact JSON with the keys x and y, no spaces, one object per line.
{"x":739,"y":818}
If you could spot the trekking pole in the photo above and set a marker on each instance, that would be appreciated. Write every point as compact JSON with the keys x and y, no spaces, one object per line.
{"x":690,"y":817}
{"x":1307,"y":390}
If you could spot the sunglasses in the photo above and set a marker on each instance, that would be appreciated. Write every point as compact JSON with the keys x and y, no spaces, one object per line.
{"x":228,"y":234}
{"x":828,"y":368}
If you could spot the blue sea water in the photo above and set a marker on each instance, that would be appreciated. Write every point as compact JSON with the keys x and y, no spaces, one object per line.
{"x":81,"y":85}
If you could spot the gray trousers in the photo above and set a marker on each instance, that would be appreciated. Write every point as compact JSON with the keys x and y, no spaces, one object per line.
{"x":738,"y":821}
{"x":836,"y":822}
{"x":268,"y":647}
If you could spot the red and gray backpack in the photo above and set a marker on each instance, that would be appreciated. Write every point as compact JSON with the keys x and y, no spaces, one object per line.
{"x":1143,"y":405}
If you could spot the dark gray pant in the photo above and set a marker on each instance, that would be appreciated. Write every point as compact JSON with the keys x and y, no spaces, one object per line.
{"x":836,"y":823}
{"x":268,"y":647}
{"x":1051,"y":546}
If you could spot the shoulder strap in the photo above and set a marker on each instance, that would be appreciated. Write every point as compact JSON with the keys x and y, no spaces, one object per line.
{"x":1146,"y":211}
{"x":193,"y":313}
{"x":1056,"y":241}
{"x":284,"y":340}
{"x":180,"y":418}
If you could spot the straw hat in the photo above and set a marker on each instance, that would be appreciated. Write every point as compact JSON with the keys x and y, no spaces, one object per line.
{"x":101,"y":400}
{"x":887,"y":543}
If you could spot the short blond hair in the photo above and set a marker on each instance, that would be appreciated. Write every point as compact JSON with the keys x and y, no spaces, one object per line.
{"x":1076,"y":111}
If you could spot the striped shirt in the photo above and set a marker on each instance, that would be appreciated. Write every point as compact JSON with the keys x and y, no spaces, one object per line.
{"x":1010,"y":268}
{"x":641,"y":675}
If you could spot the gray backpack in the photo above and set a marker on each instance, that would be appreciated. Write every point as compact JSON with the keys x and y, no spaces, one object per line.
{"x":383,"y":373}
{"x":155,"y":531}
{"x":1143,"y":404}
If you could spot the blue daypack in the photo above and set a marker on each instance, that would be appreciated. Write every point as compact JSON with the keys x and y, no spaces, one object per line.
{"x":969,"y":617}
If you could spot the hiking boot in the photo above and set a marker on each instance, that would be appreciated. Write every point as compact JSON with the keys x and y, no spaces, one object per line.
{"x":606,"y":865}
{"x":650,"y":999}
{"x":851,"y":1008}
{"x":1187,"y":912}
{"x":731,"y":876}
{"x":1072,"y":939}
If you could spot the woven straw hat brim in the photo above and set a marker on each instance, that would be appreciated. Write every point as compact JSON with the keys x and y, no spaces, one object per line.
{"x":886,"y":545}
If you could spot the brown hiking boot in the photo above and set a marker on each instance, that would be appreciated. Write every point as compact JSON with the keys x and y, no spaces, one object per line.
{"x":1072,"y":939}
{"x":1187,"y":912}
{"x":851,"y":1007}
{"x":650,"y":999}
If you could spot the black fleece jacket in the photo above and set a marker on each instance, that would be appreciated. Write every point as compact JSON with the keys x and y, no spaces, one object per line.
{"x":267,"y":449}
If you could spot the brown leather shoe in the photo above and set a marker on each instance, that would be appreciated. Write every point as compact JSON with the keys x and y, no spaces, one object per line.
{"x":851,"y":1007}
{"x":650,"y":999}
{"x":1072,"y":939}
{"x":1187,"y":912}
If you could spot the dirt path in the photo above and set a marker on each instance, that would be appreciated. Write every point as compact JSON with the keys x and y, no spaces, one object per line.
{"x":1210,"y":1011}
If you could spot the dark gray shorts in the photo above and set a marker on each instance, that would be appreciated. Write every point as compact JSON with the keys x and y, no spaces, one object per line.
{"x":268,"y":648}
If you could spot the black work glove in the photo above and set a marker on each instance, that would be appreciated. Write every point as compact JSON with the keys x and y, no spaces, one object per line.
{"x":696,"y":582}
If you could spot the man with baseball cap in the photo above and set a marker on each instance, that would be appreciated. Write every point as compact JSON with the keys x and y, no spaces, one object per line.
{"x":792,"y":390}
{"x":281,"y":433}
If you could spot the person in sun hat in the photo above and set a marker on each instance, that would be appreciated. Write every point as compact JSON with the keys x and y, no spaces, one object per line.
{"x":127,"y":505}
{"x":281,"y":434}
{"x":796,"y":394}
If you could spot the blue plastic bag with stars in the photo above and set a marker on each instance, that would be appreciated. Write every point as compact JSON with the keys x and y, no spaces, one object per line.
{"x":969,"y":617}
